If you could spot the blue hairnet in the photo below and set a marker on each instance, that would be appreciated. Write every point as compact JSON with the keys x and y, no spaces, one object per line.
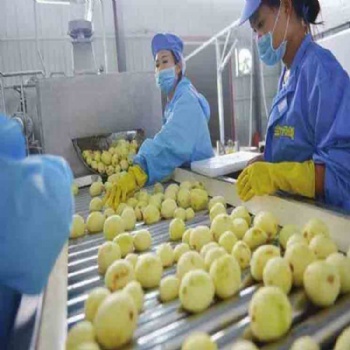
{"x":169,"y":42}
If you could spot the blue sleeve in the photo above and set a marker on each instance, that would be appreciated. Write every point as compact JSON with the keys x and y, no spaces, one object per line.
{"x":36,"y":207}
{"x":330,"y":98}
{"x":174,"y":144}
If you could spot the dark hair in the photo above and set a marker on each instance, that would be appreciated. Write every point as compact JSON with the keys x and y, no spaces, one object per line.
{"x":308,"y":10}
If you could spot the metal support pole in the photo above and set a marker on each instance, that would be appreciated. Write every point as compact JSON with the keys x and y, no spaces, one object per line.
{"x":3,"y":95}
{"x":220,"y":93}
{"x":37,"y":39}
{"x":104,"y":36}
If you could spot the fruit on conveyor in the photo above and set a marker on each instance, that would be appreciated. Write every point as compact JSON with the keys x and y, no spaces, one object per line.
{"x":149,"y":270}
{"x":226,"y":275}
{"x":88,"y":346}
{"x":108,"y":252}
{"x":242,"y":213}
{"x":221,"y":224}
{"x":96,"y":204}
{"x":75,"y":189}
{"x":216,"y":199}
{"x":186,"y":236}
{"x":96,"y":189}
{"x":158,"y":188}
{"x":342,"y":263}
{"x":255,"y":237}
{"x":322,"y":246}
{"x":216,"y":210}
{"x":199,"y":199}
{"x":199,"y":340}
{"x":267,"y":222}
{"x":78,"y":226}
{"x":125,"y":242}
{"x":188,"y":262}
{"x":80,"y":333}
{"x":270,"y":314}
{"x":95,"y":222}
{"x":244,"y":345}
{"x":190,"y":214}
{"x":322,"y":283}
{"x":200,"y":236}
{"x":93,"y":302}
{"x":135,"y":290}
{"x":305,"y":343}
{"x":132,"y":259}
{"x":242,"y":253}
{"x":205,"y":249}
{"x":296,"y":238}
{"x":286,"y":232}
{"x":313,"y":228}
{"x":129,"y":218}
{"x":109,"y":212}
{"x":113,"y":226}
{"x":180,"y":213}
{"x":176,"y":229}
{"x":168,"y":208}
{"x":151,"y":214}
{"x":196,"y":291}
{"x":184,"y":198}
{"x":240,"y":227}
{"x":166,"y":254}
{"x":343,"y":341}
{"x":227,"y":240}
{"x":179,"y":250}
{"x":169,"y":288}
{"x":118,"y":275}
{"x":212,"y":255}
{"x":278,"y":273}
{"x":116,"y":320}
{"x":142,"y":240}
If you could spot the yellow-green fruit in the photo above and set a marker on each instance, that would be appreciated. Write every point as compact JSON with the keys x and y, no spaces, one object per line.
{"x":121,"y":208}
{"x":186,"y":184}
{"x":89,"y":161}
{"x":221,"y":224}
{"x":226,"y":275}
{"x":198,"y":185}
{"x":305,"y":343}
{"x":132,"y":259}
{"x":259,"y":259}
{"x":190,"y":214}
{"x":116,"y":320}
{"x":173,"y":187}
{"x":95,"y":222}
{"x":296,"y":238}
{"x":188,"y":262}
{"x":156,"y":201}
{"x":286,"y":232}
{"x":106,"y":157}
{"x":278,"y":273}
{"x":179,"y":250}
{"x":94,"y":165}
{"x":93,"y":302}
{"x":212,"y":255}
{"x":342,"y":263}
{"x":216,"y":199}
{"x":240,"y":227}
{"x":125,"y":242}
{"x":267,"y":222}
{"x":199,"y":199}
{"x":348,"y":253}
{"x":241,"y":212}
{"x":88,"y":346}
{"x":196,"y":291}
{"x":142,"y":240}
{"x":118,"y":275}
{"x":216,"y":210}
{"x":313,"y":228}
{"x":158,"y":188}
{"x":101,"y":168}
{"x":343,"y":341}
{"x":199,"y":237}
{"x":113,"y":179}
{"x":198,"y":340}
{"x":322,"y":246}
{"x":113,"y":226}
{"x":255,"y":237}
{"x":180,"y":213}
{"x":96,"y":204}
{"x":129,"y":218}
{"x":299,"y":256}
{"x":109,"y":212}
{"x":75,"y":189}
{"x":149,"y":270}
{"x":138,"y":214}
{"x":184,"y":198}
{"x":170,"y":195}
{"x":176,"y":229}
{"x":166,"y":254}
{"x":132,"y":202}
{"x":78,"y":227}
{"x":143,"y":196}
{"x":242,"y":253}
{"x":186,"y":236}
{"x":168,"y":208}
{"x":227,"y":240}
{"x":169,"y":288}
{"x":322,"y":283}
{"x":135,"y":290}
{"x":108,"y":252}
{"x":244,"y":345}
{"x":205,"y":249}
{"x":151,"y":214}
{"x":124,"y":165}
{"x":80,"y":333}
{"x":96,"y":189}
{"x":270,"y":314}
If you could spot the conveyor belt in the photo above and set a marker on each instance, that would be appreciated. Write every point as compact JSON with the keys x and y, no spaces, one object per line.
{"x":164,"y":326}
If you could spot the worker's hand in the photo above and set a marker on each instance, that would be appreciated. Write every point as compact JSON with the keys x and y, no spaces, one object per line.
{"x":263,"y":178}
{"x":129,"y":182}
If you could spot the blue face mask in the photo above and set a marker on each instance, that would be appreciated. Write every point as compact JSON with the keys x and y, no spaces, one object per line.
{"x":166,"y":79}
{"x":267,"y":53}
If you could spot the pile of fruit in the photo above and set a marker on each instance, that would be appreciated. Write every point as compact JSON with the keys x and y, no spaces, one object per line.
{"x":116,"y":159}
{"x":209,"y":263}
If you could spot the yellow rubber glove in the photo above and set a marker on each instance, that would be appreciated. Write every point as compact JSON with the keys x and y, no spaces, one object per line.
{"x":263,"y":178}
{"x":129,"y":182}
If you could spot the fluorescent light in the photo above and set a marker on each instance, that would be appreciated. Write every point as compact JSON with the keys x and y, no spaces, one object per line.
{"x":54,"y":2}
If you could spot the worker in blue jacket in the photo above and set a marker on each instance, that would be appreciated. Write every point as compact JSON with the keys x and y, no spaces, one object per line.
{"x":184,"y":137}
{"x":36,"y":209}
{"x":308,"y":134}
